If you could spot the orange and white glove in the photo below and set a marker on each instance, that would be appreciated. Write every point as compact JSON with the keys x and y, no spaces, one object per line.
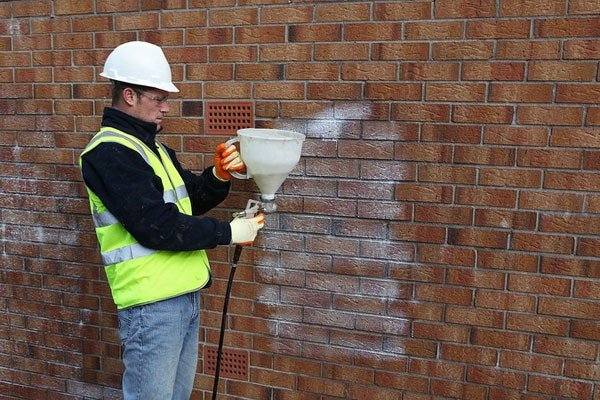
{"x":244,"y":230}
{"x":227,"y":159}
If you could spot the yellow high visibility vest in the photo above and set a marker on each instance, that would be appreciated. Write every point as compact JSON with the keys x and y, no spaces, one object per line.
{"x":136,"y":274}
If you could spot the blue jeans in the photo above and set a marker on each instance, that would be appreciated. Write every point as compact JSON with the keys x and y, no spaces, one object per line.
{"x":160,"y":348}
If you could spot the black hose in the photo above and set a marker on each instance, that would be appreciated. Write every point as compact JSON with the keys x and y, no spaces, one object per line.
{"x":236,"y":258}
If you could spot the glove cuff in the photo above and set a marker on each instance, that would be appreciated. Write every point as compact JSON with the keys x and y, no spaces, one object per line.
{"x":214,"y":171}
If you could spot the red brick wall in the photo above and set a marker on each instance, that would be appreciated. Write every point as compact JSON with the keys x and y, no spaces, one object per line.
{"x":439,"y":239}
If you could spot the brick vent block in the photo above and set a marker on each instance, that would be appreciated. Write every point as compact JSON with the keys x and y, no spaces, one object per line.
{"x":226,"y":117}
{"x":234,"y":363}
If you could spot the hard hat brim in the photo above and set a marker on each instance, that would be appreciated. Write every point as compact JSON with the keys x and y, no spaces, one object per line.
{"x":166,"y":86}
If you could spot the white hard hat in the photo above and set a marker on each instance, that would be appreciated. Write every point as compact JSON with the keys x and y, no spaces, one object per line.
{"x":139,"y":63}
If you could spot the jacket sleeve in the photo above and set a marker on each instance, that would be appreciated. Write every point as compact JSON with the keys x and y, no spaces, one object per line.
{"x":131,"y":191}
{"x":205,"y":190}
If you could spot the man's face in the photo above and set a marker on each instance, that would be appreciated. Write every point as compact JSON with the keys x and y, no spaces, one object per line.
{"x":149,"y":105}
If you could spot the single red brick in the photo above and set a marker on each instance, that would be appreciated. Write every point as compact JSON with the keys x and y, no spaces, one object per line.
{"x":517,"y":136}
{"x":421,"y":112}
{"x":460,"y":92}
{"x":585,"y":329}
{"x":286,"y":14}
{"x":431,"y":30}
{"x":521,"y":93}
{"x":392,"y":91}
{"x":560,"y":387}
{"x":233,"y":17}
{"x":498,"y":29}
{"x":550,"y":158}
{"x":497,"y":377}
{"x":593,"y":116}
{"x":73,"y":6}
{"x":476,"y":278}
{"x":209,"y":36}
{"x":574,"y":308}
{"x":477,"y":238}
{"x":550,"y":115}
{"x":440,"y":332}
{"x":528,"y":50}
{"x":483,"y":114}
{"x":401,"y":381}
{"x":542,"y":243}
{"x":315,"y":33}
{"x":551,"y":201}
{"x":477,"y":317}
{"x":343,"y":12}
{"x":445,"y":388}
{"x":587,"y":290}
{"x":587,"y":181}
{"x":532,"y":363}
{"x":369,"y":72}
{"x":341,"y":91}
{"x":489,"y":197}
{"x":561,"y":71}
{"x":341,"y":51}
{"x":402,"y":11}
{"x":521,"y":8}
{"x":493,"y":71}
{"x":505,"y":219}
{"x":588,"y":247}
{"x":464,"y":50}
{"x":505,"y":301}
{"x":538,"y":324}
{"x":268,"y":34}
{"x":500,"y":339}
{"x":581,"y":49}
{"x":565,"y":27}
{"x":444,"y":294}
{"x":378,"y":31}
{"x":443,"y":214}
{"x":465,"y":8}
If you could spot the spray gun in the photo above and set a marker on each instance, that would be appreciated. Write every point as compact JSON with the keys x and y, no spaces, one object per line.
{"x":253,"y":208}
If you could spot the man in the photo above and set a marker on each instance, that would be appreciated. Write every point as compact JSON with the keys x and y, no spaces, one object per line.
{"x":143,"y":205}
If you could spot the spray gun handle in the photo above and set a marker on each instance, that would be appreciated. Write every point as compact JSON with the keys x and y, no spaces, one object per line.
{"x":235,"y":173}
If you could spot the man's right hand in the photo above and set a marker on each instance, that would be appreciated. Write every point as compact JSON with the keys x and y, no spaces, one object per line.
{"x":244,"y":230}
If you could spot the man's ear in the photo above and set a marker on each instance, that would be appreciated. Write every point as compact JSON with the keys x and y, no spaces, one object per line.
{"x":129,"y":96}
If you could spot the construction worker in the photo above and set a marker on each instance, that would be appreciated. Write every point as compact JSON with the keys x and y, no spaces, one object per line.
{"x":144,"y":207}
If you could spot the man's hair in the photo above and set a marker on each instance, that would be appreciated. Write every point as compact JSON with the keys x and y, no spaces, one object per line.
{"x":118,"y":87}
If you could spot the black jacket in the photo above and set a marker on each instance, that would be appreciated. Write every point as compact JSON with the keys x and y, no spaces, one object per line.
{"x":131,"y":191}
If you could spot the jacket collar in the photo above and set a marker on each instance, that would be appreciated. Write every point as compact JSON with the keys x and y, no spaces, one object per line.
{"x":145,"y":131}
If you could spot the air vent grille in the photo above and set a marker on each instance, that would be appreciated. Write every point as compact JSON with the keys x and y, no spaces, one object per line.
{"x":226,"y":117}
{"x":234,"y":363}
